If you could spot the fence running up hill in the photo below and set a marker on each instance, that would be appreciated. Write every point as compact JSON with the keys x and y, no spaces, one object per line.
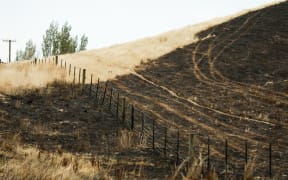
{"x":173,"y":143}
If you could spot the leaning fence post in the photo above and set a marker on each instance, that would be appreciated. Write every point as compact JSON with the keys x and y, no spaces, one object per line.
{"x":83,"y":79}
{"x":191,"y":146}
{"x":124,"y":110}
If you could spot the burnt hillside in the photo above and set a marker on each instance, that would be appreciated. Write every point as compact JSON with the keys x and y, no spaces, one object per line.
{"x":232,"y":83}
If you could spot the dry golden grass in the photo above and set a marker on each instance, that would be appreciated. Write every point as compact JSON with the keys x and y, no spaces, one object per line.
{"x":24,"y":162}
{"x":194,"y":170}
{"x":20,"y":76}
{"x":130,"y":139}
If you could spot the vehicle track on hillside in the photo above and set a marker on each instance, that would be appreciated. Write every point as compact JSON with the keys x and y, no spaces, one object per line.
{"x":224,"y":81}
{"x":170,"y":109}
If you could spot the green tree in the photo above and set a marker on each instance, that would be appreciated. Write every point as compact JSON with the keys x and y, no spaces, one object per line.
{"x":83,"y":43}
{"x":30,"y":50}
{"x":50,"y":44}
{"x":28,"y":53}
{"x":61,"y":42}
{"x":19,"y":55}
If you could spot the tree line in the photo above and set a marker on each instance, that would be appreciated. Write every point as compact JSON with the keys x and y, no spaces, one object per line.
{"x":55,"y":41}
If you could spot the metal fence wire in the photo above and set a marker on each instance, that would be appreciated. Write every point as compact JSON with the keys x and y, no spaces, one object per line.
{"x":176,"y":144}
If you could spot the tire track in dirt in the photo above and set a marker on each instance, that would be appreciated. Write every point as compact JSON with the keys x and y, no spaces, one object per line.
{"x":180,"y":103}
{"x":201,"y":106}
{"x":225,"y":82}
{"x":167,"y":109}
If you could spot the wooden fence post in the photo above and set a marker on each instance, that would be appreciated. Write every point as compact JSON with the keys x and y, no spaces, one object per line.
{"x":165,"y":141}
{"x":177,"y":147}
{"x":83,"y":79}
{"x":61,"y":63}
{"x":142,"y":126}
{"x":226,"y":158}
{"x":91,"y":81}
{"x":104,"y":95}
{"x":124,"y":110}
{"x":208,"y":152}
{"x":132,"y":117}
{"x":74,"y":78}
{"x":97,"y":89}
{"x":65,"y":65}
{"x":117,"y":107}
{"x":110,"y":99}
{"x":246,"y":152}
{"x":35,"y":61}
{"x":191,"y":148}
{"x":270,"y":160}
{"x":153,"y":134}
{"x":55,"y":60}
{"x":79,"y":76}
{"x":69,"y":70}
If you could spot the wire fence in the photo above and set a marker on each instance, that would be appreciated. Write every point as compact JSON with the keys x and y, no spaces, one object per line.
{"x":176,"y":144}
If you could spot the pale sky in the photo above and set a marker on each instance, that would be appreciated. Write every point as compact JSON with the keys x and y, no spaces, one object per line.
{"x":106,"y":22}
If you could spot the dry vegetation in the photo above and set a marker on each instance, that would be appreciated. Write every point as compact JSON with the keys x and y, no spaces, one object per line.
{"x":19,"y":161}
{"x":15,"y":77}
{"x":48,"y":131}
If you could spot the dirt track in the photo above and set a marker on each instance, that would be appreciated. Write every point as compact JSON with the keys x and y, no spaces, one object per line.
{"x":232,"y":84}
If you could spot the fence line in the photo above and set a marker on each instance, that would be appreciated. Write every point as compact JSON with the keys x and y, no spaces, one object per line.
{"x":170,"y":141}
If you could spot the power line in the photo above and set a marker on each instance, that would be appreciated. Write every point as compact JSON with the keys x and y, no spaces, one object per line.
{"x":9,"y":41}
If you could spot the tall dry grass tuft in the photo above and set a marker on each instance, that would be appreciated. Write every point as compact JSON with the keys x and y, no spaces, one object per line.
{"x":129,"y":139}
{"x":250,"y":167}
{"x":126,"y":139}
{"x":193,"y":170}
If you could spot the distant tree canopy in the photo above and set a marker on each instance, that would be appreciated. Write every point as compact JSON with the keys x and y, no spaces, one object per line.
{"x":57,"y":42}
{"x":28,"y":53}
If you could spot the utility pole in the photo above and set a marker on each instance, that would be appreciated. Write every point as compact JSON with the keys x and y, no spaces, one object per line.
{"x":9,"y":41}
